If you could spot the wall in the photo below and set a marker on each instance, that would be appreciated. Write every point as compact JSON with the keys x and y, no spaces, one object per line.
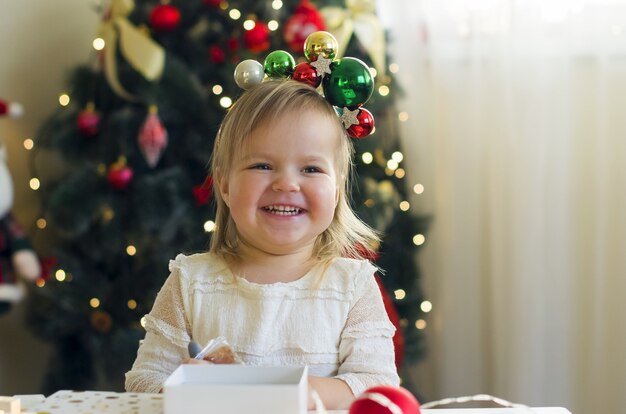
{"x":41,"y":41}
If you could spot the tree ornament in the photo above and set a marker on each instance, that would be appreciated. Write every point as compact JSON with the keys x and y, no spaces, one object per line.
{"x":88,"y":121}
{"x":350,"y":83}
{"x":364,"y":125}
{"x":152,"y":137}
{"x":305,"y":73}
{"x":322,"y":66}
{"x":257,"y":39}
{"x":279,"y":64}
{"x":321,"y":44}
{"x":305,"y":20}
{"x":385,"y":399}
{"x":202,"y":193}
{"x":217,"y":55}
{"x":164,"y":18}
{"x":11,"y":109}
{"x":249,"y":73}
{"x":120,"y":175}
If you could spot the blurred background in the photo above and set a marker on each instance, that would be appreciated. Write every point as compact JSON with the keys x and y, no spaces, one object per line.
{"x":508,"y":118}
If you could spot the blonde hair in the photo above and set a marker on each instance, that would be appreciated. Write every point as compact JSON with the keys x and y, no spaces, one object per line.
{"x":347,"y":235}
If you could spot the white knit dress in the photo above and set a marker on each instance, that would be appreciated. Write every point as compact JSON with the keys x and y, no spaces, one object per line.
{"x":337,"y":326}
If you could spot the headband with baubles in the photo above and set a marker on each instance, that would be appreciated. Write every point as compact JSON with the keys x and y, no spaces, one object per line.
{"x":347,"y":83}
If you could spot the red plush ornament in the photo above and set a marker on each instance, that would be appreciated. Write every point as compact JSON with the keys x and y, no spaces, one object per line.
{"x":385,"y":399}
{"x":257,"y":39}
{"x":305,"y":73}
{"x":88,"y":121}
{"x":202,"y":193}
{"x":365,"y":125}
{"x":216,"y":54}
{"x":164,"y":18}
{"x":392,"y":313}
{"x":152,"y":137}
{"x":305,"y":20}
{"x":11,"y":109}
{"x":120,"y":175}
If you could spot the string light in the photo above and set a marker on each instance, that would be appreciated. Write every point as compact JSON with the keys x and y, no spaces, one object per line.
{"x":131,"y":250}
{"x":34,"y":184}
{"x":224,"y":5}
{"x":374,"y":72}
{"x":142,"y":322}
{"x":392,"y":164}
{"x":64,"y":99}
{"x":404,"y":323}
{"x":383,"y":90}
{"x":41,"y":223}
{"x":389,"y":171}
{"x":394,"y":68}
{"x":367,"y":157}
{"x":60,"y":275}
{"x":399,"y":293}
{"x":426,"y":306}
{"x":94,"y":302}
{"x":29,"y":144}
{"x":272,"y":25}
{"x":403,"y":116}
{"x":217,"y":89}
{"x":419,"y":239}
{"x":209,"y":226}
{"x":98,"y":43}
{"x":40,"y":282}
{"x":277,"y":4}
{"x":405,"y":206}
{"x":234,"y":14}
{"x":397,"y":156}
{"x":226,"y":102}
{"x":420,"y":324}
{"x":400,"y":173}
{"x":249,"y":24}
{"x":418,"y":189}
{"x":369,"y":203}
{"x":132,"y":304}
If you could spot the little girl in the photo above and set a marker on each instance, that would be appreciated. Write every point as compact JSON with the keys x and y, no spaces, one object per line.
{"x":284,"y":281}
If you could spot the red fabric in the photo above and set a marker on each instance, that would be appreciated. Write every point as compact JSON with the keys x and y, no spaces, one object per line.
{"x":398,"y":338}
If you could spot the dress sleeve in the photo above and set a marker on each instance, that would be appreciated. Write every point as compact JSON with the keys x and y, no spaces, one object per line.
{"x":366,"y":353}
{"x":167,"y":335}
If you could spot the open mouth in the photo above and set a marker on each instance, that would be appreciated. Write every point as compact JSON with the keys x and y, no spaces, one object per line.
{"x":283,"y":210}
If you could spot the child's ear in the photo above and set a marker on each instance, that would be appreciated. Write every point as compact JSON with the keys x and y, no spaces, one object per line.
{"x":222,"y":186}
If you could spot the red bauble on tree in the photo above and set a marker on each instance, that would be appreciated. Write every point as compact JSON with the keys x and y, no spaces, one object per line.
{"x":212,"y":3}
{"x":202,"y":193}
{"x":152,"y":138}
{"x":164,"y":18}
{"x":365,"y":124}
{"x":257,"y":39}
{"x":305,"y":73}
{"x":385,"y":399}
{"x":120,"y":175}
{"x":305,"y":20}
{"x":88,"y":121}
{"x":216,"y":54}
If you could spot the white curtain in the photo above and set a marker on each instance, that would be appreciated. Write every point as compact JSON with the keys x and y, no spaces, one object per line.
{"x":517,"y":129}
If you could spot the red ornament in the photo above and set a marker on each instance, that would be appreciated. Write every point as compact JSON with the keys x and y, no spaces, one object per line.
{"x":212,"y":3}
{"x":233,"y":44}
{"x":152,"y":138}
{"x":216,"y":54}
{"x":392,"y":313}
{"x":385,"y":399}
{"x":202,"y":193}
{"x":120,"y":175}
{"x":164,"y":18}
{"x":305,"y":20}
{"x":11,"y":109}
{"x":365,"y":125}
{"x":305,"y":73}
{"x":88,"y":121}
{"x":257,"y":39}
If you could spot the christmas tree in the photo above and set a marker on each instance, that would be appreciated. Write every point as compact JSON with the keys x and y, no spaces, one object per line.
{"x":135,"y":134}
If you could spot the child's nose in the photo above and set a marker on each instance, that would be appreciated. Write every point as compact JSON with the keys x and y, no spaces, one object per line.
{"x":286,"y":181}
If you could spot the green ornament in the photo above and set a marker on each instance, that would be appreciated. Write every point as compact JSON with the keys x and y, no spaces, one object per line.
{"x":350,"y":83}
{"x":279,"y":64}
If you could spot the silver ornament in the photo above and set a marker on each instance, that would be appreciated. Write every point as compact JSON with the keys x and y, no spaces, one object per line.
{"x":249,"y":73}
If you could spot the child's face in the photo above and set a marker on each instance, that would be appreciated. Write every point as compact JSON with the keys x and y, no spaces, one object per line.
{"x":282,"y":192}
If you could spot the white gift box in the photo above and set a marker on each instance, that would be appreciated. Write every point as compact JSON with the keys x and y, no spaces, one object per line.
{"x":236,"y":389}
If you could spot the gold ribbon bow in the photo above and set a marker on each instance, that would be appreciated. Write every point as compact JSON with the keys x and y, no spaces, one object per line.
{"x":359,"y":18}
{"x":144,"y":54}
